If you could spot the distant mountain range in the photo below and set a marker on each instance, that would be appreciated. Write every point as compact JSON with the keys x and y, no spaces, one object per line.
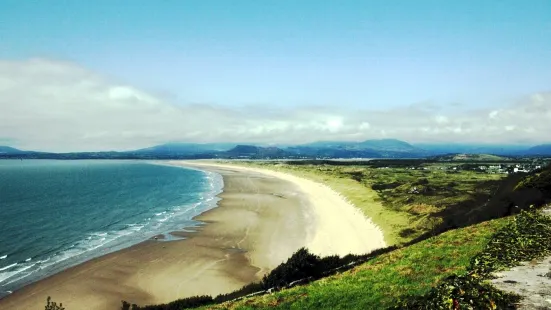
{"x":10,"y":150}
{"x":543,"y":149}
{"x":383,"y":148}
{"x":186,"y":148}
{"x":456,"y":148}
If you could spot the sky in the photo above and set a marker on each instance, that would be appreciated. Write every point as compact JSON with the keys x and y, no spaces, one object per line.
{"x":126,"y":74}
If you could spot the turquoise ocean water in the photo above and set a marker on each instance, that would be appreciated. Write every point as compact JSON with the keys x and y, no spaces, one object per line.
{"x":56,"y":214}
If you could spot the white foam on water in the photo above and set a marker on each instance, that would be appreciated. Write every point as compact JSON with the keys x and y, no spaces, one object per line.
{"x":43,"y":261}
{"x":8,"y":267}
{"x":135,"y":227}
{"x":108,"y":241}
{"x":7,"y":275}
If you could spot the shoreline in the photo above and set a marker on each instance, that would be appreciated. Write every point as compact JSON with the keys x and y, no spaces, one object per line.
{"x":210,"y":261}
{"x":106,"y":240}
{"x":277,"y":214}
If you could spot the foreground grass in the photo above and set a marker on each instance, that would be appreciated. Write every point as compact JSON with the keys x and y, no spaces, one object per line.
{"x":377,"y":284}
{"x":524,"y":239}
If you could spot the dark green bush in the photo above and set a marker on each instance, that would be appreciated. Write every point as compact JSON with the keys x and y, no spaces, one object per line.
{"x":302,"y":264}
{"x":460,"y":292}
{"x":356,"y":175}
{"x":422,"y":181}
{"x":385,"y":186}
{"x":526,"y":238}
{"x":190,"y":302}
{"x":50,"y":305}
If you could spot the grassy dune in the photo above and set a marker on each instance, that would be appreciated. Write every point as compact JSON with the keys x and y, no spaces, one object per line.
{"x":404,"y":203}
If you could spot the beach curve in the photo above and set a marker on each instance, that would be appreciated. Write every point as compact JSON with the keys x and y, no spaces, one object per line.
{"x":339,"y":227}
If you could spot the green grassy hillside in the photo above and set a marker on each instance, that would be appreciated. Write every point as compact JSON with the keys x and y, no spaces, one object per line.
{"x":379,"y":283}
{"x":449,"y":271}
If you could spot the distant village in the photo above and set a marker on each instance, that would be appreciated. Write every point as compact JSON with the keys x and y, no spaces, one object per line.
{"x":504,"y":168}
{"x":500,"y":168}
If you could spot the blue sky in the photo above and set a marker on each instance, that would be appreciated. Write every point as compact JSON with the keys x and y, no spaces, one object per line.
{"x":367,"y":55}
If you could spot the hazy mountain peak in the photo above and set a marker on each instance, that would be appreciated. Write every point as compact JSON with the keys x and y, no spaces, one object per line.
{"x":9,"y":150}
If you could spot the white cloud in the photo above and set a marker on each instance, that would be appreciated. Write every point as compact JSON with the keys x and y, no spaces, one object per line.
{"x":60,"y":106}
{"x":364,"y":126}
{"x":441,"y":119}
{"x":334,"y":125}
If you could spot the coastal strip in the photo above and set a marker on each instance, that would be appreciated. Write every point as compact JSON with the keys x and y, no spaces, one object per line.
{"x":262,"y":218}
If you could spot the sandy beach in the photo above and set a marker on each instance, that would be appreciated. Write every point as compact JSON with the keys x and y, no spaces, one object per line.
{"x":262,"y":218}
{"x":334,"y":225}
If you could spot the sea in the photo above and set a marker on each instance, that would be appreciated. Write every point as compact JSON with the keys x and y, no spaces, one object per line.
{"x":55,"y":214}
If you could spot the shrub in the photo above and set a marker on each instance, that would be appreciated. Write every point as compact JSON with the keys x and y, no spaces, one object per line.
{"x":422,"y":181}
{"x":300,"y":265}
{"x":356,"y":175}
{"x":50,"y":305}
{"x":461,"y":292}
{"x":384,"y":186}
{"x":526,"y":238}
{"x":127,"y":306}
{"x":190,"y":302}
